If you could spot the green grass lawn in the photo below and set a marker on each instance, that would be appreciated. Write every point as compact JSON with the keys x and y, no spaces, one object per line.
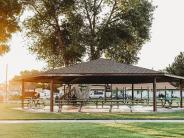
{"x":87,"y":130}
{"x":7,"y":112}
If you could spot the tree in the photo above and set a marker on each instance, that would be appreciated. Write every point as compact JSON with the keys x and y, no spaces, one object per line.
{"x":63,"y":31}
{"x":9,"y":11}
{"x":29,"y":73}
{"x":177,"y":67}
{"x":120,"y":30}
{"x":15,"y":81}
{"x":25,"y":73}
{"x":55,"y":39}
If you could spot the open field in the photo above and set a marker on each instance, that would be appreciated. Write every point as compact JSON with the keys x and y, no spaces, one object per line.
{"x":83,"y":130}
{"x":7,"y":112}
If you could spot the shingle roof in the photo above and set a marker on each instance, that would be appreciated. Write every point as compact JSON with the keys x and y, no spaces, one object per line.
{"x":102,"y":66}
{"x":103,"y":71}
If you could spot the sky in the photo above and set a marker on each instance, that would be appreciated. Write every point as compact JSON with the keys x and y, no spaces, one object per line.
{"x":167,"y":35}
{"x":167,"y":41}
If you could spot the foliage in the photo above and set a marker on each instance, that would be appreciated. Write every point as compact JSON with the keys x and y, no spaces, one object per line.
{"x":16,"y":79}
{"x":54,"y":31}
{"x":9,"y":11}
{"x":25,"y":73}
{"x":64,"y":31}
{"x":117,"y":28}
{"x":177,"y":67}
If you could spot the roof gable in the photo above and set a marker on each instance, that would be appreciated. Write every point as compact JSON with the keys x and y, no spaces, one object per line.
{"x":102,"y":66}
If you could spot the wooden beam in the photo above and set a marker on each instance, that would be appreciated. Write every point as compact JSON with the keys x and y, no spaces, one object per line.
{"x":22,"y":100}
{"x":181,"y":94}
{"x":52,"y":95}
{"x":154,"y":95}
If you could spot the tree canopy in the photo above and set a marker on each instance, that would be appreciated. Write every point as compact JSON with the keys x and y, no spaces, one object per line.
{"x":64,"y":31}
{"x":9,"y":11}
{"x":29,"y":85}
{"x":177,"y":67}
{"x":25,"y":73}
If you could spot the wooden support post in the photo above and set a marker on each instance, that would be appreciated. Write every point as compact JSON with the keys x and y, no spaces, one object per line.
{"x":148,"y":95}
{"x":64,"y":89}
{"x":111,"y":91}
{"x":125,"y":95}
{"x":165,"y":93}
{"x":116,"y":93}
{"x":132,"y":93}
{"x":52,"y":95}
{"x":154,"y":95}
{"x":181,"y":94}
{"x":22,"y":100}
{"x":105,"y":92}
{"x":141,"y":92}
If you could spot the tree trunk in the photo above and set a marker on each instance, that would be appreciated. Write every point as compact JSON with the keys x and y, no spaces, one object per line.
{"x":92,"y":53}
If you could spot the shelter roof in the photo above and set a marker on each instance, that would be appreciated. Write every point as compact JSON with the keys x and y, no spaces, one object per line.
{"x":102,"y":71}
{"x":101,"y":66}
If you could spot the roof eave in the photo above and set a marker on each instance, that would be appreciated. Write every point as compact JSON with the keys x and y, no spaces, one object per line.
{"x":174,"y":76}
{"x":102,"y":74}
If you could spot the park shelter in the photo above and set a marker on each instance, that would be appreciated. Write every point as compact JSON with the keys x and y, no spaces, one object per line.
{"x":103,"y":71}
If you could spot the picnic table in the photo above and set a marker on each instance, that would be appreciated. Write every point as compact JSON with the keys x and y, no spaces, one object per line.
{"x":34,"y":103}
{"x":110,"y":102}
{"x":164,"y":101}
{"x":32,"y":99}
